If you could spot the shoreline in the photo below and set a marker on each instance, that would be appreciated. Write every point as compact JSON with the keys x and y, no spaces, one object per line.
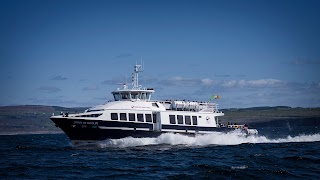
{"x":33,"y":119}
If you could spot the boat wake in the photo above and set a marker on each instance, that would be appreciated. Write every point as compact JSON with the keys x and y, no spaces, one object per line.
{"x":232,"y":138}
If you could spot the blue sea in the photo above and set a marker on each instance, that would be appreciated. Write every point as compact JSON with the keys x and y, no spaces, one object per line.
{"x":288,"y":149}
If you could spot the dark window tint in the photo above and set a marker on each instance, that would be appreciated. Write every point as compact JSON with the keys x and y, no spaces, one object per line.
{"x":172,"y":119}
{"x":94,"y":110}
{"x":114,"y":116}
{"x":148,"y":118}
{"x":140,"y":117}
{"x":92,"y":115}
{"x":155,"y":105}
{"x":154,"y":116}
{"x":194,"y":120}
{"x":95,"y":115}
{"x":180,"y":119}
{"x":123,"y":116}
{"x":132,"y":117}
{"x":187,"y":120}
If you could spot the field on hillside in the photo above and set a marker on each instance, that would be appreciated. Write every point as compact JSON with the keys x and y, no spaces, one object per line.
{"x":36,"y":119}
{"x":30,"y":119}
{"x":265,"y":114}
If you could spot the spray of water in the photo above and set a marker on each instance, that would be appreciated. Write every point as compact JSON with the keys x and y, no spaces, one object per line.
{"x":232,"y":138}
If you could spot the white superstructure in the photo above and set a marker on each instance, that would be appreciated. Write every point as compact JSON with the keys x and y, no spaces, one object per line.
{"x":133,"y":113}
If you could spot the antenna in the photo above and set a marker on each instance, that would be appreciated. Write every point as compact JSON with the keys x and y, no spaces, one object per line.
{"x":142,"y":64}
{"x":135,"y":77}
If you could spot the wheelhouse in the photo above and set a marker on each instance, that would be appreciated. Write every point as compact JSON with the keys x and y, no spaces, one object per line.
{"x":132,"y":95}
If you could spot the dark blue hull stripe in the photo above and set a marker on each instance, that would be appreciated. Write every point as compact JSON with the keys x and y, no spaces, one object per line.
{"x":194,"y":128}
{"x":81,"y":129}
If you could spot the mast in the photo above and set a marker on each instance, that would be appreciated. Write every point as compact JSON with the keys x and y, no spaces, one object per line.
{"x":135,"y":77}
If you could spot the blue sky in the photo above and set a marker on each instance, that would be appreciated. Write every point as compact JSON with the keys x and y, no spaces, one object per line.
{"x":73,"y":53}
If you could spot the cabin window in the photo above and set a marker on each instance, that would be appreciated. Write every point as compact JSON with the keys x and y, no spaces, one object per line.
{"x":125,"y":96}
{"x":180,"y":119}
{"x":154,"y":117}
{"x":95,"y":115}
{"x":148,"y":118}
{"x":142,"y":95}
{"x":148,"y":95}
{"x":116,"y":96}
{"x":94,"y":110}
{"x":123,"y":116}
{"x":172,"y":119}
{"x":194,"y":120}
{"x":114,"y":116}
{"x":140,"y":117}
{"x":134,"y":95}
{"x":132,"y":117}
{"x":155,"y":105}
{"x":187,"y":120}
{"x":91,"y":115}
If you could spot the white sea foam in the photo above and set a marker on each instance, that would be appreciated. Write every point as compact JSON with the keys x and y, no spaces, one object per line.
{"x":232,"y":138}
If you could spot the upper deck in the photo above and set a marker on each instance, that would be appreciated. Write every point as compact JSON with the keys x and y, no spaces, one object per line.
{"x":194,"y":106}
{"x":132,"y":95}
{"x":136,"y":92}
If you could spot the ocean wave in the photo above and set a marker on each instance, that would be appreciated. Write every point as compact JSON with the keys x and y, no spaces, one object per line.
{"x":29,"y":133}
{"x":232,"y":138}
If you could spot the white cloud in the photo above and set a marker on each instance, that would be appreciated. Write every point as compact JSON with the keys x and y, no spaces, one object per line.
{"x":242,"y":82}
{"x":251,"y":83}
{"x":231,"y":83}
{"x":207,"y":82}
{"x":263,"y":82}
{"x":242,"y":93}
{"x":181,"y":81}
{"x":177,"y":78}
{"x":58,"y":78}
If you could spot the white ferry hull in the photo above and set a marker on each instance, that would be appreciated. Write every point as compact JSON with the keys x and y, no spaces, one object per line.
{"x":97,"y":130}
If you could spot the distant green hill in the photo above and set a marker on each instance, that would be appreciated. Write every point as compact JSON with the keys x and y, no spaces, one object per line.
{"x":30,"y":118}
{"x":254,"y":114}
{"x":259,"y":108}
{"x":36,"y":118}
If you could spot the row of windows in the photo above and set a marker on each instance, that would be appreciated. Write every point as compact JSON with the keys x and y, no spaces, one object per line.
{"x":174,"y":119}
{"x":94,"y":110}
{"x":90,"y":115}
{"x":131,"y":95}
{"x":133,"y":117}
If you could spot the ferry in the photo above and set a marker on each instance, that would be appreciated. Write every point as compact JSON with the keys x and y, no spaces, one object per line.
{"x":132,"y":113}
